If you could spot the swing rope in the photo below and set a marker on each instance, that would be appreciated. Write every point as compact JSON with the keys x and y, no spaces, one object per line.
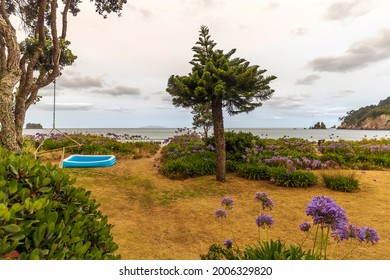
{"x":77,"y":144}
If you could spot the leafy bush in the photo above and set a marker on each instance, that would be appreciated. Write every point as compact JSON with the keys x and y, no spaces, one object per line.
{"x":236,"y":142}
{"x":295,"y":179}
{"x":43,"y":216}
{"x":254,"y":171}
{"x":190,"y":166}
{"x":343,"y":183}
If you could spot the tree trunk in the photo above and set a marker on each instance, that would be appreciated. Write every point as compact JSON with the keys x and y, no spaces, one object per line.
{"x":8,"y":132}
{"x":220,"y":145}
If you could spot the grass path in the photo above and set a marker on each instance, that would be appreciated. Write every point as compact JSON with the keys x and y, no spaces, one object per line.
{"x":158,"y":218}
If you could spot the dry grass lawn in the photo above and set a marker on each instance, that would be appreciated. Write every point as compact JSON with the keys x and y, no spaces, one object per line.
{"x":156,"y":218}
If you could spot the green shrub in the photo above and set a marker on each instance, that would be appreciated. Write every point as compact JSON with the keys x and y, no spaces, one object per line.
{"x":190,"y":166}
{"x":343,"y":183}
{"x":337,"y":158}
{"x":43,"y":216}
{"x":295,"y":179}
{"x":254,"y":171}
{"x":236,"y":143}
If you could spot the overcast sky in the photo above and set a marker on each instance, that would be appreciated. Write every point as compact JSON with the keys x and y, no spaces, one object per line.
{"x":329,"y":57}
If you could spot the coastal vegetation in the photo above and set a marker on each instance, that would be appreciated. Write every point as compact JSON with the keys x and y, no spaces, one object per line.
{"x":175,"y":186}
{"x":368,"y":117}
{"x":44,"y":216}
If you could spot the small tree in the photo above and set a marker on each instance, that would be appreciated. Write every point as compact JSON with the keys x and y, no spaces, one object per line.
{"x":222,"y":81}
{"x":202,"y":117}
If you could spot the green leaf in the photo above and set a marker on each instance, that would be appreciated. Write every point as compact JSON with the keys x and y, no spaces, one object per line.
{"x":34,"y":255}
{"x":13,"y":187}
{"x":46,"y":181}
{"x":2,"y":183}
{"x":18,"y":237}
{"x":45,"y":189}
{"x":12,"y":228}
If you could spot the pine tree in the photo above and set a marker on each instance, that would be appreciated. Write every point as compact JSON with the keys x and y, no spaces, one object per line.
{"x":202,"y":117}
{"x":223,"y":82}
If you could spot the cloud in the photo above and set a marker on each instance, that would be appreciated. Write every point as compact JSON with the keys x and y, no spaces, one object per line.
{"x":120,"y":90}
{"x":308,"y":80}
{"x":343,"y":9}
{"x":286,"y":102}
{"x":75,"y":80}
{"x":272,"y":5}
{"x":67,"y":107}
{"x":359,"y":55}
{"x":118,"y":109}
{"x":145,"y":13}
{"x":300,"y":31}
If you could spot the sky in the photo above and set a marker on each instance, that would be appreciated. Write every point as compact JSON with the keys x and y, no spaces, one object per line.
{"x":329,"y":57}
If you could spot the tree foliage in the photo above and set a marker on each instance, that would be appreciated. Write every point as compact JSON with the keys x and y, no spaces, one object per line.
{"x":202,"y":117}
{"x":222,"y":81}
{"x":28,"y":66}
{"x":217,"y":76}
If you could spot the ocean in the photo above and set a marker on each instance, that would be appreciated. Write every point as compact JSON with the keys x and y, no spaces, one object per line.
{"x":161,"y":134}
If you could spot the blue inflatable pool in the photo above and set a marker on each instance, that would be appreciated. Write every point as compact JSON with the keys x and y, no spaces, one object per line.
{"x":88,"y":161}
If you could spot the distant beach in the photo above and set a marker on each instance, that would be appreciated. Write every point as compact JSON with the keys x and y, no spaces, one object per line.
{"x":161,"y":134}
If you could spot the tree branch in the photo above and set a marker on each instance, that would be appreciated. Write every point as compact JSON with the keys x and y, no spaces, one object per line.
{"x":65,"y":19}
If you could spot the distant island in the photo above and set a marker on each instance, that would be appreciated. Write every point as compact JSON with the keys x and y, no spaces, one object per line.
{"x":318,"y":125}
{"x":369,"y":117}
{"x":34,"y":126}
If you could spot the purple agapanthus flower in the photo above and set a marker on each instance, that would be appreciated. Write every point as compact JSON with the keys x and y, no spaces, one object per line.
{"x":345,"y":233}
{"x":264,"y":199}
{"x":305,"y":226}
{"x":228,"y":243}
{"x":227,"y":203}
{"x":326,"y":212}
{"x":366,"y":234}
{"x":264,"y":221}
{"x":220,"y":214}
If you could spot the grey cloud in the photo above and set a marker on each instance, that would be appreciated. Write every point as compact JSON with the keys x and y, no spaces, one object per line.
{"x":271,"y":5}
{"x":308,"y":80}
{"x":119,"y":109}
{"x":166,"y":98}
{"x":75,"y":80}
{"x":343,"y":9}
{"x":286,"y":102}
{"x":120,"y":90}
{"x":67,"y":107}
{"x":359,"y":55}
{"x":300,"y":31}
{"x":146,"y":14}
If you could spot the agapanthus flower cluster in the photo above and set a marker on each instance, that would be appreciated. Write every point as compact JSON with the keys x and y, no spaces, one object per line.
{"x":305,"y":226}
{"x":227,"y":203}
{"x":265,"y":200}
{"x":264,"y":221}
{"x":326,"y":212}
{"x":362,"y":234}
{"x":220,"y":214}
{"x":228,"y":243}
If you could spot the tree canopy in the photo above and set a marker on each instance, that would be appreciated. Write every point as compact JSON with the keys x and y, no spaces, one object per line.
{"x":222,"y":81}
{"x":27,"y":66}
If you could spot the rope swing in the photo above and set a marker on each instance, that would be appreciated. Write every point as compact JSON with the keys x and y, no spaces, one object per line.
{"x":77,"y":144}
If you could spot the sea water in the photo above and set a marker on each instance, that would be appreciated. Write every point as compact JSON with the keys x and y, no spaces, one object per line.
{"x":161,"y":134}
